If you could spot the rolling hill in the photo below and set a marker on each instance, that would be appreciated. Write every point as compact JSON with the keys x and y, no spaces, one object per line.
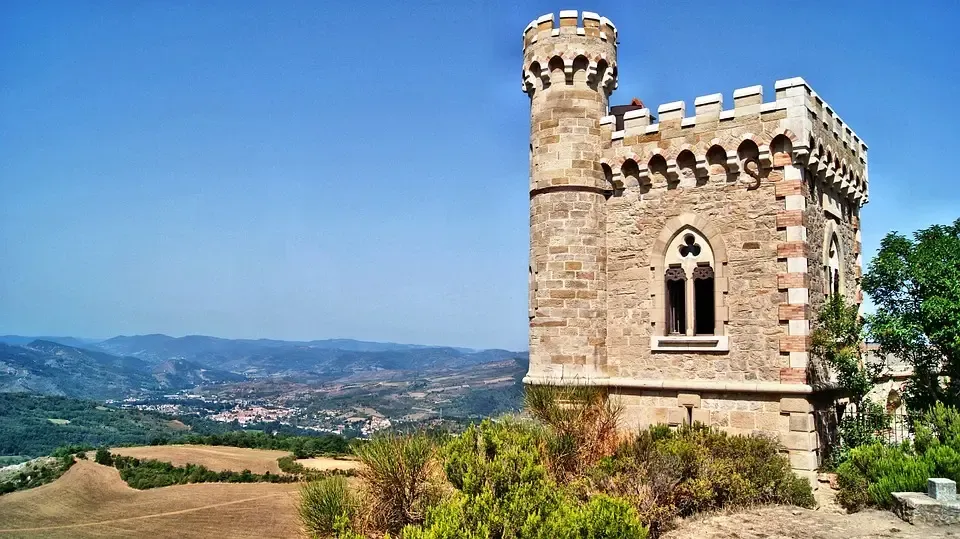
{"x":56,"y":369}
{"x":91,"y":500}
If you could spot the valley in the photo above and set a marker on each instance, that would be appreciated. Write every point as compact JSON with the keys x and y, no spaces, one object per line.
{"x":207,"y":384}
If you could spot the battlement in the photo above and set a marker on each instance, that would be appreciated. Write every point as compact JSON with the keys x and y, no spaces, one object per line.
{"x":587,"y":46}
{"x":818,"y":138}
{"x":571,"y":23}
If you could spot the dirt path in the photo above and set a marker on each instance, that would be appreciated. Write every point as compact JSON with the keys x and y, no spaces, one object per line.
{"x":796,"y":523}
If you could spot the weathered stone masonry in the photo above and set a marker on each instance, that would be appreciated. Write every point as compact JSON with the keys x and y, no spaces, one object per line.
{"x":679,"y":259}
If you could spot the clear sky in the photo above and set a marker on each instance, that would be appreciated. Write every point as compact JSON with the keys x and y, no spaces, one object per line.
{"x":309,"y":170}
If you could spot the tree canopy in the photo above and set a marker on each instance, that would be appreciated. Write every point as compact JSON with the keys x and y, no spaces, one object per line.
{"x":915,"y":284}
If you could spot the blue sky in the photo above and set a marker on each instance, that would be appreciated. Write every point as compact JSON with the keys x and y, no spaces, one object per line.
{"x":310,"y":170}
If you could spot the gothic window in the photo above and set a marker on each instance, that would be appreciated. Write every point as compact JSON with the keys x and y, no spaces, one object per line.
{"x":689,"y":285}
{"x":703,"y":316}
{"x":831,"y":267}
{"x":676,"y":301}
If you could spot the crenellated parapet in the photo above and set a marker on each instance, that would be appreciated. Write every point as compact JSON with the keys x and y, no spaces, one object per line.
{"x":581,"y":43}
{"x":798,"y":128}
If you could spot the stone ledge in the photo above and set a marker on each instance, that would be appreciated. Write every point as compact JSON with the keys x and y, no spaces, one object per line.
{"x":700,"y":343}
{"x":673,"y":385}
{"x":918,"y":508}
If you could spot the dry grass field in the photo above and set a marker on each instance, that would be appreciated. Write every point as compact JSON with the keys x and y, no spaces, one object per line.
{"x":92,"y":501}
{"x":327,"y":463}
{"x":214,"y":457}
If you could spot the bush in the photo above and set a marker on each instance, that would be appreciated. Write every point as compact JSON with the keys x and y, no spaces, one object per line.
{"x":938,"y":425}
{"x":669,"y":474}
{"x":399,"y":476}
{"x":872,"y":472}
{"x":582,"y":423}
{"x":503,"y":490}
{"x":327,"y":506}
{"x":103,"y":457}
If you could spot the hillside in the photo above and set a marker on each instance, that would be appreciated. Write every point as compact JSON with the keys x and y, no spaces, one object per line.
{"x":321,"y":359}
{"x":56,"y":369}
{"x":92,"y":501}
{"x":34,"y":425}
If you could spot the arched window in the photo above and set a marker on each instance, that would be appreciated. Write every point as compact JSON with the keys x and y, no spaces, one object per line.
{"x":831,"y":267}
{"x":689,"y":285}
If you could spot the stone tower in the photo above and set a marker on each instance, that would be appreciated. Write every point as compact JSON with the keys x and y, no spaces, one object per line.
{"x":679,"y":259}
{"x":569,"y":73}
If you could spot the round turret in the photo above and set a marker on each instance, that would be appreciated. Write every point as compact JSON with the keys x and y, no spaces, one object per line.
{"x":569,"y":72}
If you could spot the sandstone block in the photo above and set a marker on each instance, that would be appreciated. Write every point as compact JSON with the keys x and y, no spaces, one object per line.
{"x":701,"y":416}
{"x":803,"y":460}
{"x":795,"y":404}
{"x":800,"y":441}
{"x":677,"y":416}
{"x":768,"y":421}
{"x":688,"y":399}
{"x":793,"y":280}
{"x":801,"y":422}
{"x":743,"y":420}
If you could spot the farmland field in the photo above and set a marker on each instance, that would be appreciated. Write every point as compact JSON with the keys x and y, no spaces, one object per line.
{"x":92,"y":501}
{"x":327,"y":463}
{"x":215,"y":457}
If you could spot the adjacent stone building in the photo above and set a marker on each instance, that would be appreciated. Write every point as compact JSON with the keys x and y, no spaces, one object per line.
{"x":678,"y":255}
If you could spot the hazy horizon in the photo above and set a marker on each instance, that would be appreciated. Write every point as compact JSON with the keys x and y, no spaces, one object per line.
{"x":87,"y":339}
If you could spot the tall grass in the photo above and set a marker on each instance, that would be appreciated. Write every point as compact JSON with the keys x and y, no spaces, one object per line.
{"x":583,"y":425}
{"x":327,"y":506}
{"x":399,"y":477}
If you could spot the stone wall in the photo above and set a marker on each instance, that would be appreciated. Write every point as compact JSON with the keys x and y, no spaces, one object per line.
{"x":789,"y":418}
{"x":745,"y":220}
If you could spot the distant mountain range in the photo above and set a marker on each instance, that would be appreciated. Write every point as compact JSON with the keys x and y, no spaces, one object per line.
{"x":130,"y":365}
{"x":56,"y":369}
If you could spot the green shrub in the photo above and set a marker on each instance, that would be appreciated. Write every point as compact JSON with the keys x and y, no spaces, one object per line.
{"x":582,"y":423}
{"x":872,"y":472}
{"x":326,"y":506}
{"x":939,"y":425}
{"x":399,"y":477}
{"x":103,"y":457}
{"x":669,"y":474}
{"x":606,"y":517}
{"x":504,"y":490}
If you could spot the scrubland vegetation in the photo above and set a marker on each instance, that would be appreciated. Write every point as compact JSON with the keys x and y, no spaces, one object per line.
{"x":567,"y":473}
{"x":872,"y":472}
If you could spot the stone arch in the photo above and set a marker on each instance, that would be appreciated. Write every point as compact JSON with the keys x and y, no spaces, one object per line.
{"x":555,"y":67}
{"x":833,"y":261}
{"x":673,"y":229}
{"x":657,"y":165}
{"x":717,"y":160}
{"x":581,"y":66}
{"x":687,"y":168}
{"x":782,"y":149}
{"x":630,"y":171}
{"x":748,"y":154}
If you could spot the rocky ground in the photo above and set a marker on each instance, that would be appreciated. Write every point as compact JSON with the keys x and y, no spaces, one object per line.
{"x":828,"y":521}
